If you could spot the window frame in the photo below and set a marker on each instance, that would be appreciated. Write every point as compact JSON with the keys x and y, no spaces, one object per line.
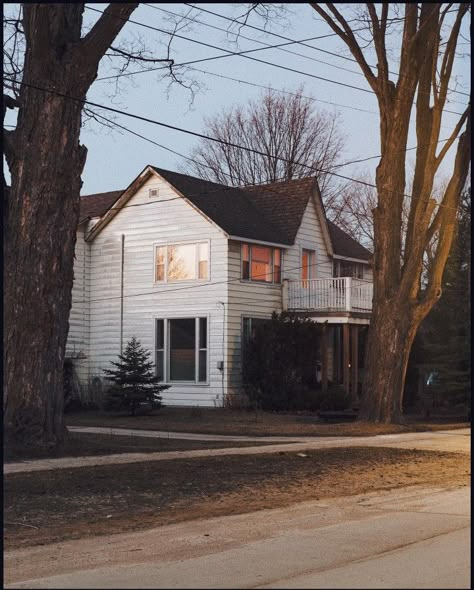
{"x":243,"y":342}
{"x":250,"y":245}
{"x":312,"y":263}
{"x":166,"y":245}
{"x":357,"y":267}
{"x":167,"y":349}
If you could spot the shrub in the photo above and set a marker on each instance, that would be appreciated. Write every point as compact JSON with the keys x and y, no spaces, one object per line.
{"x":134,"y":382}
{"x":335,"y":399}
{"x":279,"y":364}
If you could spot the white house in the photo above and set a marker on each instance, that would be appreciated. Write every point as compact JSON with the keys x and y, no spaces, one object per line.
{"x":189,"y":267}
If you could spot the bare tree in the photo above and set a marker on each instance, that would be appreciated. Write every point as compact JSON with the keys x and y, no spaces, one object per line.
{"x":427,"y":54}
{"x":41,"y":213}
{"x":284,"y":127}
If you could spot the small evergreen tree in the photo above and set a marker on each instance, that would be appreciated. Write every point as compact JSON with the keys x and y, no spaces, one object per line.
{"x":134,"y":381}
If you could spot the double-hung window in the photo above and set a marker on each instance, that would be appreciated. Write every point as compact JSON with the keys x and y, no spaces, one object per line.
{"x":261,"y":263}
{"x":181,"y":350}
{"x":182,"y":262}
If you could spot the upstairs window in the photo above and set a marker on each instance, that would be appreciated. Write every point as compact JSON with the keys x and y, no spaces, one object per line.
{"x":182,"y":262}
{"x":261,"y":263}
{"x":308,"y":269}
{"x":344,"y":268}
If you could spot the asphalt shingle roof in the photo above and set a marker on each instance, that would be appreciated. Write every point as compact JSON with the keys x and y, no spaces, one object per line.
{"x":96,"y":205}
{"x":268,"y":213}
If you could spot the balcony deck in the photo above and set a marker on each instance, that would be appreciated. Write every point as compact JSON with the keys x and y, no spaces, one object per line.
{"x":345,"y":295}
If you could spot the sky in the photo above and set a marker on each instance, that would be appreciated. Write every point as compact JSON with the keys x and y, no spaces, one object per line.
{"x":115,"y":157}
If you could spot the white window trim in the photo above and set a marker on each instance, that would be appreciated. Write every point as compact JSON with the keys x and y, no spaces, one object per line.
{"x":165,"y":244}
{"x":166,"y":352}
{"x":254,"y":281}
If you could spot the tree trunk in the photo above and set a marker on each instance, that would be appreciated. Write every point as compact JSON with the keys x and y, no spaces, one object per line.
{"x":43,"y":212}
{"x":43,"y":216}
{"x":392,"y":329}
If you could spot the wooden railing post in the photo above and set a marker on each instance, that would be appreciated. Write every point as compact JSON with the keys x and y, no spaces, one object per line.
{"x":348,"y":292}
{"x":284,"y":294}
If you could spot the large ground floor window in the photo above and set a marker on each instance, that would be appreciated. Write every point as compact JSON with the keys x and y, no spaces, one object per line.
{"x":181,"y":350}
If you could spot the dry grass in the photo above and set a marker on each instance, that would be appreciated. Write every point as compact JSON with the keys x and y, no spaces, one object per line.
{"x":235,"y":422}
{"x":50,"y":506}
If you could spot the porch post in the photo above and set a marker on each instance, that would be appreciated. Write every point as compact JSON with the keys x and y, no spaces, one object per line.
{"x":324,"y":358}
{"x":345,"y":357}
{"x":355,"y":362}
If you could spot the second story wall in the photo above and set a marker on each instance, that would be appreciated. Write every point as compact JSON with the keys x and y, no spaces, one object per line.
{"x":309,"y":236}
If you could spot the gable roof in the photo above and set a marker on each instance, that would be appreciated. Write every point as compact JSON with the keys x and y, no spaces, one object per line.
{"x":232,"y":209}
{"x":284,"y":202}
{"x":97,"y":204}
{"x":345,"y":245}
{"x":267,"y":213}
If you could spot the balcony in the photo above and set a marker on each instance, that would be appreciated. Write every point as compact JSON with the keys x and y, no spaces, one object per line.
{"x":345,"y":294}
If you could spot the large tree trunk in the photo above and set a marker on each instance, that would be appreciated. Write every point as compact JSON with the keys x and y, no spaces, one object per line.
{"x":46,"y":163}
{"x":391,"y":333}
{"x":43,"y":216}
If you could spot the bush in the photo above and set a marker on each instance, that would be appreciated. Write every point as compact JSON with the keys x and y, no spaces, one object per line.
{"x":335,"y":399}
{"x":279,"y":364}
{"x":134,"y":382}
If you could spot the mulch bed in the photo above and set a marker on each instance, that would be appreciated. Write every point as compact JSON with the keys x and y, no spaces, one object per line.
{"x":50,"y":506}
{"x":85,"y":444}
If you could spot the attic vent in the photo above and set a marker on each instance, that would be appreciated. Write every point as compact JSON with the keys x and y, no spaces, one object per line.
{"x":153,"y":193}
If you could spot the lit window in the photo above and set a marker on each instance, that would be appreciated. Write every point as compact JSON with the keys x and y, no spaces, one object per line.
{"x":307,"y":265}
{"x":261,"y":263}
{"x":182,"y":262}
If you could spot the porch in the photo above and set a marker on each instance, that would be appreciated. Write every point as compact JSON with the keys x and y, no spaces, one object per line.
{"x":344,"y":305}
{"x":339,"y":294}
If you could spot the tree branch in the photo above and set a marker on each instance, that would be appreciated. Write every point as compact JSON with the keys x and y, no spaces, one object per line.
{"x":94,"y":45}
{"x":348,"y":37}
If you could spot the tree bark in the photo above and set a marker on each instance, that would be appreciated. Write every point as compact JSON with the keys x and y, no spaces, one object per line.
{"x":391,"y":333}
{"x":46,"y":162}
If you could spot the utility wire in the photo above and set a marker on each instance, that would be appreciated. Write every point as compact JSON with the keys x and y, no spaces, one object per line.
{"x":241,"y":54}
{"x":304,"y":44}
{"x":212,"y":283}
{"x":214,"y":139}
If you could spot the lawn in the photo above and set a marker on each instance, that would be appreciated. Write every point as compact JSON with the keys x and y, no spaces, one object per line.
{"x":86,"y":444}
{"x":49,"y":506}
{"x":241,"y":422}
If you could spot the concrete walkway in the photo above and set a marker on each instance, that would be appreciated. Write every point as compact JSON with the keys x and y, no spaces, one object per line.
{"x":445,"y":440}
{"x":165,"y":434}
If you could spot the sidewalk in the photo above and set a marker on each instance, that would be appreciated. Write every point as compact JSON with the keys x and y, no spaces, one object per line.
{"x":444,"y":440}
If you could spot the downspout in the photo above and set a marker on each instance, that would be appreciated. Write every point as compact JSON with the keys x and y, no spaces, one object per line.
{"x":122,"y":260}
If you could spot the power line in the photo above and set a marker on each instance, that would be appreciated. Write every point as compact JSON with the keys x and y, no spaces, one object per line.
{"x":303,"y":43}
{"x":214,"y":139}
{"x":240,"y":54}
{"x":210,"y":283}
{"x":194,"y":19}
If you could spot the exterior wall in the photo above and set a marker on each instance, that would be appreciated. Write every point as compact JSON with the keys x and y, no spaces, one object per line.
{"x":309,"y":236}
{"x":78,"y":338}
{"x":258,"y":300}
{"x":143,"y":227}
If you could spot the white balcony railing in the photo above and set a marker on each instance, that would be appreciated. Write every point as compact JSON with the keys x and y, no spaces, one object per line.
{"x":334,"y":294}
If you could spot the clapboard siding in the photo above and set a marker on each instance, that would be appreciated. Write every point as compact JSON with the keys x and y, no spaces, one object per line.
{"x":78,"y":336}
{"x":165,"y":221}
{"x":95,"y":319}
{"x":309,"y":236}
{"x":247,"y":299}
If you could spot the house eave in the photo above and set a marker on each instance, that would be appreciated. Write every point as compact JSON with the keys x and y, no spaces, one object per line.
{"x":351,"y":259}
{"x":263,"y":242}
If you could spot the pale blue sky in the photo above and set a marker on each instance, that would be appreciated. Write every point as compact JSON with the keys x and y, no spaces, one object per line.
{"x":115,"y":158}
